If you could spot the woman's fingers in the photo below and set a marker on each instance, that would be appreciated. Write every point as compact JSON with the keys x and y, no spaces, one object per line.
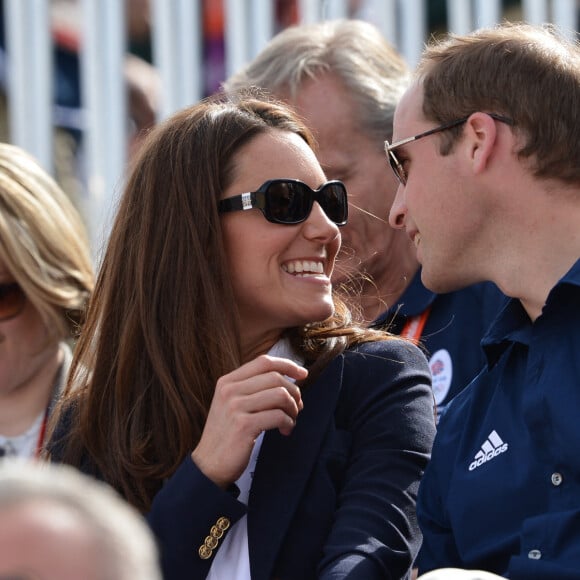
{"x":261,"y":374}
{"x":272,"y":399}
{"x":240,"y":393}
{"x":258,"y":396}
{"x":265,"y":364}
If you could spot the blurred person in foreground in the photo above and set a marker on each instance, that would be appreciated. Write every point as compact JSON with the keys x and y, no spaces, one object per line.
{"x":345,"y":80}
{"x":221,"y":387}
{"x":58,"y":524}
{"x":487,"y":152}
{"x":459,"y":574}
{"x":46,"y":278}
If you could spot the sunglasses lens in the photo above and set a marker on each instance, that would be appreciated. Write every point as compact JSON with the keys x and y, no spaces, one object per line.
{"x":333,"y":200}
{"x":288,"y":202}
{"x":12,"y":300}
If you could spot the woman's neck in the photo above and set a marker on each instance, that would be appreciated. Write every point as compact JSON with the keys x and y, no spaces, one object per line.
{"x":20,"y":407}
{"x":255,"y":346}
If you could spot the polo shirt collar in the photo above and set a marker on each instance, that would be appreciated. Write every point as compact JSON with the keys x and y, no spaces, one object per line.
{"x":513,"y":323}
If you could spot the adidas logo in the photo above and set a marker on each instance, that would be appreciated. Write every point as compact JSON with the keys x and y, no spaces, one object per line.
{"x":491,"y":448}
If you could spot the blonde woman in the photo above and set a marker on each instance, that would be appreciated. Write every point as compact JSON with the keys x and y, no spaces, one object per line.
{"x":46,"y":277}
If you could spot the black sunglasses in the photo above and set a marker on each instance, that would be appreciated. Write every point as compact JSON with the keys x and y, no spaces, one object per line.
{"x":289,"y":201}
{"x":12,"y":300}
{"x":397,"y":166}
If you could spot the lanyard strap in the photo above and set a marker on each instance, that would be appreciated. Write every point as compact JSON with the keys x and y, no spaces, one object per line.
{"x":413,"y":328}
{"x":41,"y":433}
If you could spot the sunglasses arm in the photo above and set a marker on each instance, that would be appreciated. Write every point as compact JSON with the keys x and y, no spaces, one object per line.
{"x":243,"y":201}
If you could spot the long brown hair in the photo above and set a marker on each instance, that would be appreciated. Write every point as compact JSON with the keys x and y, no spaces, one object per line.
{"x":162,"y":324}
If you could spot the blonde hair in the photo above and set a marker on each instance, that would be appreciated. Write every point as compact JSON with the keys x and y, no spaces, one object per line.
{"x":43,"y":242}
{"x":355,"y":51}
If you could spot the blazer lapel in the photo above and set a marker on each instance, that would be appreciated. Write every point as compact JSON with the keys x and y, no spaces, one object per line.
{"x":283,"y":468}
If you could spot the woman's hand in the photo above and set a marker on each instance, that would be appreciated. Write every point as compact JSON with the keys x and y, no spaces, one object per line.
{"x":255,"y":397}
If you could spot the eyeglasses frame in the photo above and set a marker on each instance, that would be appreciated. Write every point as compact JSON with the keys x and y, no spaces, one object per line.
{"x":21,"y":303}
{"x":397,"y":166}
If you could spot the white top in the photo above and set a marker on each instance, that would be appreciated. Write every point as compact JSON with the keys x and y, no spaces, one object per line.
{"x":23,"y":445}
{"x":232,"y":561}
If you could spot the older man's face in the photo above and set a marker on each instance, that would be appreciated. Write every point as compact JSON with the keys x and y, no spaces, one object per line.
{"x":347,"y":153}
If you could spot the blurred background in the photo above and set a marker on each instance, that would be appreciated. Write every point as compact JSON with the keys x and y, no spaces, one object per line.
{"x":82,"y":80}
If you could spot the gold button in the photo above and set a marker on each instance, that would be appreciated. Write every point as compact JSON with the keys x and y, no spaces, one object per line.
{"x":211,"y":542}
{"x":216,"y":532}
{"x":204,"y":552}
{"x":223,"y":524}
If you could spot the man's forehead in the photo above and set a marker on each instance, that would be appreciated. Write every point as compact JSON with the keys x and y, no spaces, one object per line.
{"x":409,"y":112}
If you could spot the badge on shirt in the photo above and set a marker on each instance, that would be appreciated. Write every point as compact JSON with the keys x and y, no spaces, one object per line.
{"x":442,"y":374}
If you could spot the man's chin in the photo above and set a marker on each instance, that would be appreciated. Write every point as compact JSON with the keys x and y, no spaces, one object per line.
{"x":440,"y":284}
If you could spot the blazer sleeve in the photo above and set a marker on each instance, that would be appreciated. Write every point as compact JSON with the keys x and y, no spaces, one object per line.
{"x":190,"y":516}
{"x":387,"y":405}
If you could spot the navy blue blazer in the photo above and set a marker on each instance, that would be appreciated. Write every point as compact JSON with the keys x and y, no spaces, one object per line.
{"x":336,"y":498}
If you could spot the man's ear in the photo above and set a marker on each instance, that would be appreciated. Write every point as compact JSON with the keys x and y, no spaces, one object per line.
{"x":480,"y":135}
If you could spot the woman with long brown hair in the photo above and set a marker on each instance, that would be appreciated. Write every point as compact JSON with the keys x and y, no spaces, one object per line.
{"x":221,"y":387}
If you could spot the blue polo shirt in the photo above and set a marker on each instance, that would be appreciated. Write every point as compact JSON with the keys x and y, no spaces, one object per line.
{"x":456,"y":323}
{"x":502,"y":490}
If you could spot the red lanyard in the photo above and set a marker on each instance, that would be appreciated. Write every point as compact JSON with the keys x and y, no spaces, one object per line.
{"x":413,"y":328}
{"x":42,"y":433}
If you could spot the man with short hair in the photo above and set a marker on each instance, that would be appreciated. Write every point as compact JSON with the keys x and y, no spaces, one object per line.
{"x":487,"y":152}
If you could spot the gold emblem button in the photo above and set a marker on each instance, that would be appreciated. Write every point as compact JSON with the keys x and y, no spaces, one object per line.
{"x":211,"y":542}
{"x":216,"y":532}
{"x":223,"y":524}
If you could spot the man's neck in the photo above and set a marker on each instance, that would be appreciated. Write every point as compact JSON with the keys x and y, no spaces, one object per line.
{"x":541,"y":254}
{"x":533,"y":296}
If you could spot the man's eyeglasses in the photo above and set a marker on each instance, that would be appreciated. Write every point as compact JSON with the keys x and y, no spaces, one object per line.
{"x":12,"y":300}
{"x":289,"y":201}
{"x":397,"y":166}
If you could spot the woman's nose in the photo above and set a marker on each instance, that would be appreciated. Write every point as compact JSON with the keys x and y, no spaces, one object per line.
{"x":319,"y":225}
